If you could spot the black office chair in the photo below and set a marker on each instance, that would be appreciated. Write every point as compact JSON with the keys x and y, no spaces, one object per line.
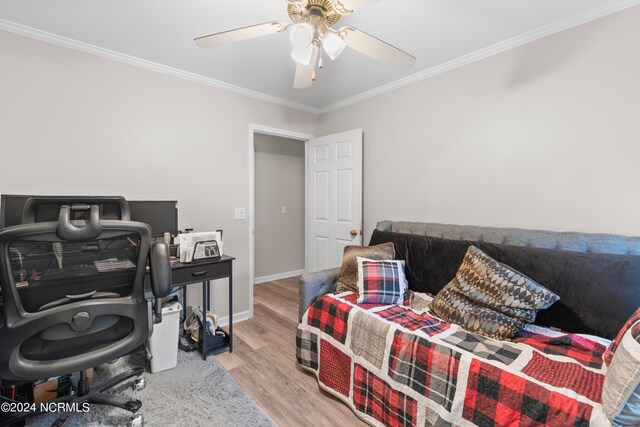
{"x":73,"y":296}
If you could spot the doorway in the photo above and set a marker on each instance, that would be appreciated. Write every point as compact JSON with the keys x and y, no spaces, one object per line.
{"x":277,"y":200}
{"x":279,"y":207}
{"x":332,"y":198}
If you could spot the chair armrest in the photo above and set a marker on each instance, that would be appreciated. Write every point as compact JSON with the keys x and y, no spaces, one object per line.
{"x":160,"y":269}
{"x":314,"y":285}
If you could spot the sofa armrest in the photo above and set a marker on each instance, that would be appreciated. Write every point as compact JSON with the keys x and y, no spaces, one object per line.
{"x":314,"y":285}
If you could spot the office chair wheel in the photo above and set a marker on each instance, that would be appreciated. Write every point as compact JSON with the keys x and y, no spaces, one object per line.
{"x":59,"y":422}
{"x":137,"y":421}
{"x":139,"y":383}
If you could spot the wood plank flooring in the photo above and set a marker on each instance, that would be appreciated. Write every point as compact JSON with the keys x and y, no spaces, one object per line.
{"x":264,"y":363}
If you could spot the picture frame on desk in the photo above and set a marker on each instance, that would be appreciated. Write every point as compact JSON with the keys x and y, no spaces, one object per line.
{"x":188,"y":242}
{"x":207,"y":249}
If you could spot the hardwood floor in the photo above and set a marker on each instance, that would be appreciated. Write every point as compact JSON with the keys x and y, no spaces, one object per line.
{"x":264,"y":363}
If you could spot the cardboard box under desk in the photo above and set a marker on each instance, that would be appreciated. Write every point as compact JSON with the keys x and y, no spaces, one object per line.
{"x":48,"y":390}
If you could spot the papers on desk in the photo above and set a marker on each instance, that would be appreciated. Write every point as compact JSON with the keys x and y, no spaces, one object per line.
{"x":187,"y":242}
{"x":113,"y":264}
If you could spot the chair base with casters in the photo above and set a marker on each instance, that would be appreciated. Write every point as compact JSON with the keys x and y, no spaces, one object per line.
{"x":93,"y":395}
{"x":73,"y":298}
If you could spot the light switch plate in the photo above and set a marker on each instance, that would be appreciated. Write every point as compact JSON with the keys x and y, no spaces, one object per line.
{"x":240,"y":213}
{"x":283,"y":209}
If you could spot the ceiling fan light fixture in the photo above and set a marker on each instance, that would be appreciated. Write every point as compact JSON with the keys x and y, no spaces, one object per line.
{"x":332,"y":44}
{"x":302,"y":35}
{"x":302,"y":55}
{"x":312,"y":31}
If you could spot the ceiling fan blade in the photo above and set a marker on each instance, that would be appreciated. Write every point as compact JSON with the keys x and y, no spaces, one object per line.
{"x":239,"y":34}
{"x":304,"y":73}
{"x":376,"y":48}
{"x":345,"y":7}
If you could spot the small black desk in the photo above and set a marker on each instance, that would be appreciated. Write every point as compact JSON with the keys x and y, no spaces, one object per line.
{"x":204,"y":271}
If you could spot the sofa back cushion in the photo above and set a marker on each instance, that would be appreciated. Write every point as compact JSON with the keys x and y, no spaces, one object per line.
{"x":598,"y":292}
{"x":601,"y":243}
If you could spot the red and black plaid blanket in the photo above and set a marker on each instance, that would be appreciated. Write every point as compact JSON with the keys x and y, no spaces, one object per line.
{"x":394,"y":366}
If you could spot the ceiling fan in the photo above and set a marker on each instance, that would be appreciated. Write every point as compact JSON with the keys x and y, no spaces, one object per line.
{"x":312,"y":33}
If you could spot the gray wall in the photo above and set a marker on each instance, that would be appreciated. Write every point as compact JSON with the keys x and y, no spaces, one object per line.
{"x":279,"y":175}
{"x":546,"y":135}
{"x":74,"y":123}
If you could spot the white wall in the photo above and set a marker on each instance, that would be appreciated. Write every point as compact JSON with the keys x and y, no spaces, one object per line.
{"x":543,"y":136}
{"x":77,"y":124}
{"x":279,"y":178}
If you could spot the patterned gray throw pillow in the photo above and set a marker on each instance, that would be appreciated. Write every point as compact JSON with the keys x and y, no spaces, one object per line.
{"x":490,"y":298}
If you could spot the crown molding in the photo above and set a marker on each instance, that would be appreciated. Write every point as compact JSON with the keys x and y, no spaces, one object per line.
{"x":608,"y":8}
{"x":47,"y":37}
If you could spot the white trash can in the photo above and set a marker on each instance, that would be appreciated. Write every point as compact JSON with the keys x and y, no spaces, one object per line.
{"x":164,"y":340}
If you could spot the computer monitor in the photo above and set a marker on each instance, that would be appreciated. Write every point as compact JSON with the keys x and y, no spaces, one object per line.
{"x":161,"y":215}
{"x":11,"y":207}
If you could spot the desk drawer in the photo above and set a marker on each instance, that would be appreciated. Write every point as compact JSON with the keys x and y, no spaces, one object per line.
{"x":199,"y":273}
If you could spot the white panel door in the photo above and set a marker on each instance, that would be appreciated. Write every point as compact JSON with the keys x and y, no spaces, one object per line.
{"x":334,"y":203}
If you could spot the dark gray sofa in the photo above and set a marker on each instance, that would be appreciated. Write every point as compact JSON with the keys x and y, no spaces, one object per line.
{"x":592,"y":254}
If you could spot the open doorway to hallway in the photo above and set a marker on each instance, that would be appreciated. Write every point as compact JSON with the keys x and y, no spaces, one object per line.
{"x":279,"y":207}
{"x":280,"y":182}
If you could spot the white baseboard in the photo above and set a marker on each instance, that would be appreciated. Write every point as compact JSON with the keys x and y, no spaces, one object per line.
{"x":278,"y":276}
{"x":237,"y":317}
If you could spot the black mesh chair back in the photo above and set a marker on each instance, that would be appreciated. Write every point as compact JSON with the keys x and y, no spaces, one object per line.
{"x":73,"y":294}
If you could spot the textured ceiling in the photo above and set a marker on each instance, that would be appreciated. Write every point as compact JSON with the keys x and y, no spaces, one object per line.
{"x":162,"y":31}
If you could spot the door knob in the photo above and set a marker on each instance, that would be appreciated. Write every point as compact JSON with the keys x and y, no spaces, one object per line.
{"x":353,"y":233}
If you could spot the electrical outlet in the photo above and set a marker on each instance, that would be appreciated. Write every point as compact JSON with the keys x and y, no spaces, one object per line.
{"x":283,"y":209}
{"x":240,"y":213}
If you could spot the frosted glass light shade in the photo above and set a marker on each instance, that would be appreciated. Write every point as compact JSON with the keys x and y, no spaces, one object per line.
{"x":301,"y":35}
{"x":332,"y":44}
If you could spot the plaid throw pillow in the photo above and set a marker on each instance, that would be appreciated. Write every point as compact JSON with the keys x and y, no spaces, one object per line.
{"x":621,"y":390}
{"x":608,"y":354}
{"x":348,"y":279}
{"x":381,"y":282}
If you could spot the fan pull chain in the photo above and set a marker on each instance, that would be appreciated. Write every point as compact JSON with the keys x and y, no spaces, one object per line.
{"x":320,"y":65}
